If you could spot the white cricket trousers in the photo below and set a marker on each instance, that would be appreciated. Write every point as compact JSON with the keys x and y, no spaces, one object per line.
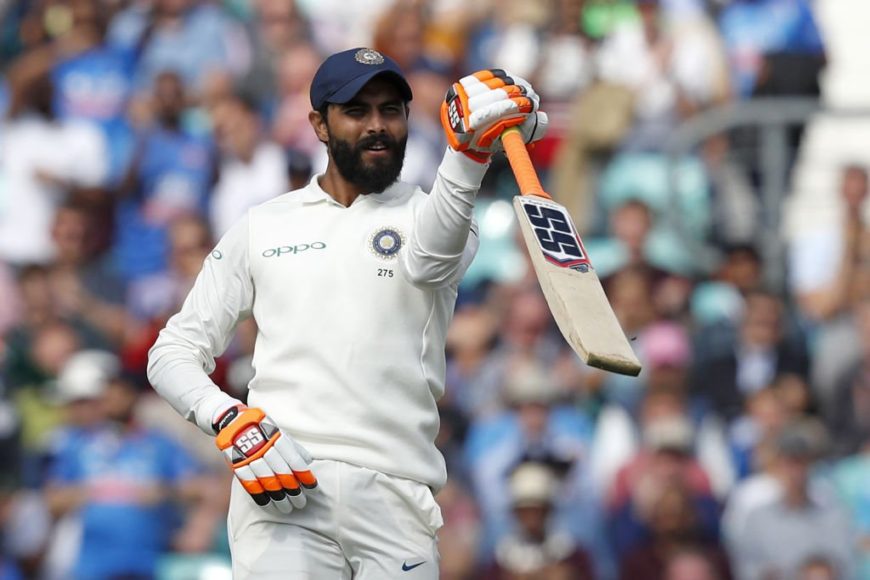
{"x":360,"y":525}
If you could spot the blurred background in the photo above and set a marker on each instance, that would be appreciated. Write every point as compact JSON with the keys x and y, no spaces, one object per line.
{"x":714,"y":154}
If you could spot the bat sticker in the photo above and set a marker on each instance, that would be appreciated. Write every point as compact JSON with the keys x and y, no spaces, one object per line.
{"x":556,"y":234}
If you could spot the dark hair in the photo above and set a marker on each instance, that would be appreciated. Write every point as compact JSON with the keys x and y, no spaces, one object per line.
{"x":323,"y":110}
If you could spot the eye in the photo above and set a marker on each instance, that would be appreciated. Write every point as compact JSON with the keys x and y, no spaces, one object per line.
{"x":355,"y":112}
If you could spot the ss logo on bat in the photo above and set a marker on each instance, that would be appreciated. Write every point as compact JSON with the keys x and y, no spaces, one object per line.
{"x":556,"y":236}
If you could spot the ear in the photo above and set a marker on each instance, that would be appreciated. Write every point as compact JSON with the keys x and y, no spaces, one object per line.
{"x":321,"y":129}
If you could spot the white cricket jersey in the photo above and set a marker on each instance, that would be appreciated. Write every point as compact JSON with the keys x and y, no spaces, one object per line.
{"x":352,"y":305}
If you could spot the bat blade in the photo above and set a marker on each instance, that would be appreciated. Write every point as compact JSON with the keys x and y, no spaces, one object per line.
{"x":571,"y":286}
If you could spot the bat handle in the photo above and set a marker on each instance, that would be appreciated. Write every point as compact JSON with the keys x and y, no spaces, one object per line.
{"x":521,"y":164}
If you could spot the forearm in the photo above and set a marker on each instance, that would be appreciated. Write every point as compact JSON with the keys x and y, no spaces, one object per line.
{"x":61,"y":500}
{"x":441,"y":232}
{"x":184,"y":384}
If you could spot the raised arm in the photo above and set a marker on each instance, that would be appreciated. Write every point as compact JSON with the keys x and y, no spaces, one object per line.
{"x":476,"y":110}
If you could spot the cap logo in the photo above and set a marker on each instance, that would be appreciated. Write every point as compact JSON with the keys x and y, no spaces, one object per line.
{"x":368,"y":56}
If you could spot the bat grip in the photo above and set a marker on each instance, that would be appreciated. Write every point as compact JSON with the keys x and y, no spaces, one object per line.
{"x":521,"y":164}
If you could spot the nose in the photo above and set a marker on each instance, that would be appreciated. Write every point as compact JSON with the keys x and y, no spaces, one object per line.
{"x":376,"y":123}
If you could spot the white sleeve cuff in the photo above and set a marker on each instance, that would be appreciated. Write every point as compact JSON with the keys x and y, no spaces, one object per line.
{"x":461,"y":169}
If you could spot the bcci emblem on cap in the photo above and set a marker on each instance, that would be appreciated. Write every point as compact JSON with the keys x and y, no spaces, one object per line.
{"x":387,"y":242}
{"x":368,"y":56}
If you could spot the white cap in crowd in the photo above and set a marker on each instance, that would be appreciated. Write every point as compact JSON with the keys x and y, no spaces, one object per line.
{"x":86,"y":374}
{"x":532,"y":484}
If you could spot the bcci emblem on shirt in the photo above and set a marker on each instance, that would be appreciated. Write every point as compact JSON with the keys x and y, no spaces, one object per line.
{"x":387,"y":242}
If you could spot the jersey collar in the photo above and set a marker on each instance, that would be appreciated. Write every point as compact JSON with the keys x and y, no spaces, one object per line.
{"x":313,"y":193}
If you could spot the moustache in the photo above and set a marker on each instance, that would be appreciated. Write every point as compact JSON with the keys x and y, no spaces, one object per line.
{"x":372,"y":140}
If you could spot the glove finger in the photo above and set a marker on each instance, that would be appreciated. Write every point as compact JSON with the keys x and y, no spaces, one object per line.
{"x":486,"y":99}
{"x":306,"y":477}
{"x":285,"y":475}
{"x":524,"y":104}
{"x":271,"y":484}
{"x":252,"y":485}
{"x":496,"y":111}
{"x":527,"y":90}
{"x":298,"y":458}
{"x":483,"y":81}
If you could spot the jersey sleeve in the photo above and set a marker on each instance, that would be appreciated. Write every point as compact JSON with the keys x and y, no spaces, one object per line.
{"x":445,"y":240}
{"x":184,"y":353}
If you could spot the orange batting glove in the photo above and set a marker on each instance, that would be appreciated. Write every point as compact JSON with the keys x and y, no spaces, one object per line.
{"x":478,"y":108}
{"x":271,"y":466}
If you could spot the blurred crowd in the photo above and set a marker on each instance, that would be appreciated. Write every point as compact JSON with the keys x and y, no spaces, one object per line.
{"x":134,"y":132}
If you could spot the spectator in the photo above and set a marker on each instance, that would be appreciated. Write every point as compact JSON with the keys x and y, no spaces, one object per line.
{"x":81,"y":383}
{"x":756,"y":32}
{"x":195,"y":39}
{"x":85,"y":288}
{"x":44,"y":161}
{"x":675,"y":528}
{"x":674,"y":67}
{"x":120,"y":479}
{"x":401,"y":33}
{"x":426,"y":140}
{"x":154,"y":298}
{"x":170,"y":175}
{"x":277,"y":26}
{"x":295,"y":68}
{"x":666,"y":458}
{"x":828,"y":289}
{"x":761,"y":352}
{"x":549,"y":46}
{"x":829,"y":294}
{"x":764,"y":416}
{"x":536,"y":428}
{"x":779,"y":536}
{"x":48,"y":348}
{"x":93,"y":80}
{"x":630,"y":227}
{"x":472,"y":374}
{"x":535,"y":548}
{"x":252,"y":169}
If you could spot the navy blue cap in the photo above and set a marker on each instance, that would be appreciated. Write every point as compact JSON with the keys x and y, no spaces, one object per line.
{"x":342,"y":75}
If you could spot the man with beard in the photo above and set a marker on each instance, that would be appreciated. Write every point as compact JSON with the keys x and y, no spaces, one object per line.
{"x":351,"y":281}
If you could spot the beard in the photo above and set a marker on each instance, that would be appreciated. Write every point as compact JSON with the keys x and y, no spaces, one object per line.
{"x":372,"y":177}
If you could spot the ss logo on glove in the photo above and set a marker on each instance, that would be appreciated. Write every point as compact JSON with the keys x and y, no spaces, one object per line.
{"x":250,"y":441}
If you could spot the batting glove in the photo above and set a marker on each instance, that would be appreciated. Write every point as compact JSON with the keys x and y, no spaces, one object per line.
{"x":271,"y":466}
{"x":479,"y":107}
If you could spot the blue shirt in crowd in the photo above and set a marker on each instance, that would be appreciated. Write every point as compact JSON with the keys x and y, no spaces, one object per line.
{"x":754,"y":28}
{"x":120,"y":534}
{"x":95,"y":86}
{"x":175,"y":175}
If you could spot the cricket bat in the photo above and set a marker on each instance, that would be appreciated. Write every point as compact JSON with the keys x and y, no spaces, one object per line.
{"x":569,"y":282}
